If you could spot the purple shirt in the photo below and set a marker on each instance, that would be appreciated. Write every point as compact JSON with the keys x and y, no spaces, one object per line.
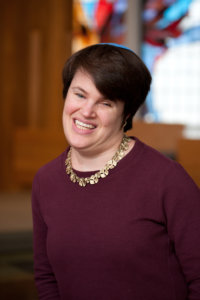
{"x":135,"y":235}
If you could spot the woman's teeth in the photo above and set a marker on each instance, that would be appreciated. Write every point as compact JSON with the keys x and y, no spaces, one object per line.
{"x":82,"y":125}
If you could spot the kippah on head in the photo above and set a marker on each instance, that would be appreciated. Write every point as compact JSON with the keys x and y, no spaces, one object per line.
{"x":117,"y":45}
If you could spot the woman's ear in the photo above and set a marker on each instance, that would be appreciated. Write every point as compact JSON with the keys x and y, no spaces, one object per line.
{"x":124,"y":122}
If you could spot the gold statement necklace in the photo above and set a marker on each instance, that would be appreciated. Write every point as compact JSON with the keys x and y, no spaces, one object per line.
{"x":82,"y":181}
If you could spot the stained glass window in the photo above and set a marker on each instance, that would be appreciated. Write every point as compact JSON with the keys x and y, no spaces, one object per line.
{"x":98,"y":21}
{"x":171,"y":50}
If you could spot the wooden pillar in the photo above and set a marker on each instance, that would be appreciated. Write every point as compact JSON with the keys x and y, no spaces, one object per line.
{"x":57,"y":49}
{"x":50,"y":33}
{"x":134,"y":25}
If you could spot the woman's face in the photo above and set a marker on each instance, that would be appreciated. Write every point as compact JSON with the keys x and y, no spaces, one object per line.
{"x":90,"y":121}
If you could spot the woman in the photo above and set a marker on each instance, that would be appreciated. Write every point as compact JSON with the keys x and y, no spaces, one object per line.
{"x":113,"y":218}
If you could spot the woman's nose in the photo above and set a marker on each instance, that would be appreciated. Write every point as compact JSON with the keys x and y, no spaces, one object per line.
{"x":88,"y":109}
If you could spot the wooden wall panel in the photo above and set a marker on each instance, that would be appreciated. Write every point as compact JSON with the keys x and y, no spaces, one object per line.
{"x":35,"y":42}
{"x":9,"y":91}
{"x":163,"y":137}
{"x":32,"y":149}
{"x":188,"y":151}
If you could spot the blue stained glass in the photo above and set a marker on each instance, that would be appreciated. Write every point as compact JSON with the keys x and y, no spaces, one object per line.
{"x":174,"y":12}
{"x":89,"y":8}
{"x":149,"y":14}
{"x":170,"y":51}
{"x":188,"y":36}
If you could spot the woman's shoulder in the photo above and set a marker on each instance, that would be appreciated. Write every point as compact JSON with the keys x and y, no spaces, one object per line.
{"x":167,"y":168}
{"x":151,"y":156}
{"x":52,"y":168}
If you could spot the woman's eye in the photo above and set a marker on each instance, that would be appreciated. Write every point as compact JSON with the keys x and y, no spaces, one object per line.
{"x":80,"y":95}
{"x":106,"y":104}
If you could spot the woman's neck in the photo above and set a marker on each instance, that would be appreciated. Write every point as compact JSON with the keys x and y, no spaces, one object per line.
{"x":81,"y":161}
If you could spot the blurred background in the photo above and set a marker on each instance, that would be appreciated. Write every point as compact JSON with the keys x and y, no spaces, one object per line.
{"x":36,"y":39}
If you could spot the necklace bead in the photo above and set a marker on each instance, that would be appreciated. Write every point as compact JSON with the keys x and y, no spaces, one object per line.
{"x":93,"y":179}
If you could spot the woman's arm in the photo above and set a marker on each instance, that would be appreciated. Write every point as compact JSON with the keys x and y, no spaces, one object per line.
{"x":182,"y":207}
{"x":44,"y":277}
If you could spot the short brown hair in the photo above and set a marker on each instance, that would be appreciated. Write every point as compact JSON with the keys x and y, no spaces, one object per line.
{"x":118,"y":74}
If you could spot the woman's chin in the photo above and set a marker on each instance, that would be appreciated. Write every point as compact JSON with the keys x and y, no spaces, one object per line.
{"x":79,"y":144}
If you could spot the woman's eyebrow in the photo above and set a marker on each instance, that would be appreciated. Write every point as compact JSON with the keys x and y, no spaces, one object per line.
{"x":78,"y":88}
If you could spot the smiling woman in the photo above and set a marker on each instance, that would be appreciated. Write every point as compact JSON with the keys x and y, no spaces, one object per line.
{"x":92,"y":124}
{"x":113,"y":218}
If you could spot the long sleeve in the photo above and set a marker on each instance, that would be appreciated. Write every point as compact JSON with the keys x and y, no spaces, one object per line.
{"x":182,"y":207}
{"x":44,"y":277}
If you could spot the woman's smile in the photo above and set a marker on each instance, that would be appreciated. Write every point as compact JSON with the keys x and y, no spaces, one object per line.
{"x":84,"y":126}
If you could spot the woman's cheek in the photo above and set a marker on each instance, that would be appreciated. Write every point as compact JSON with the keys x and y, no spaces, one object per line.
{"x":69,"y":108}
